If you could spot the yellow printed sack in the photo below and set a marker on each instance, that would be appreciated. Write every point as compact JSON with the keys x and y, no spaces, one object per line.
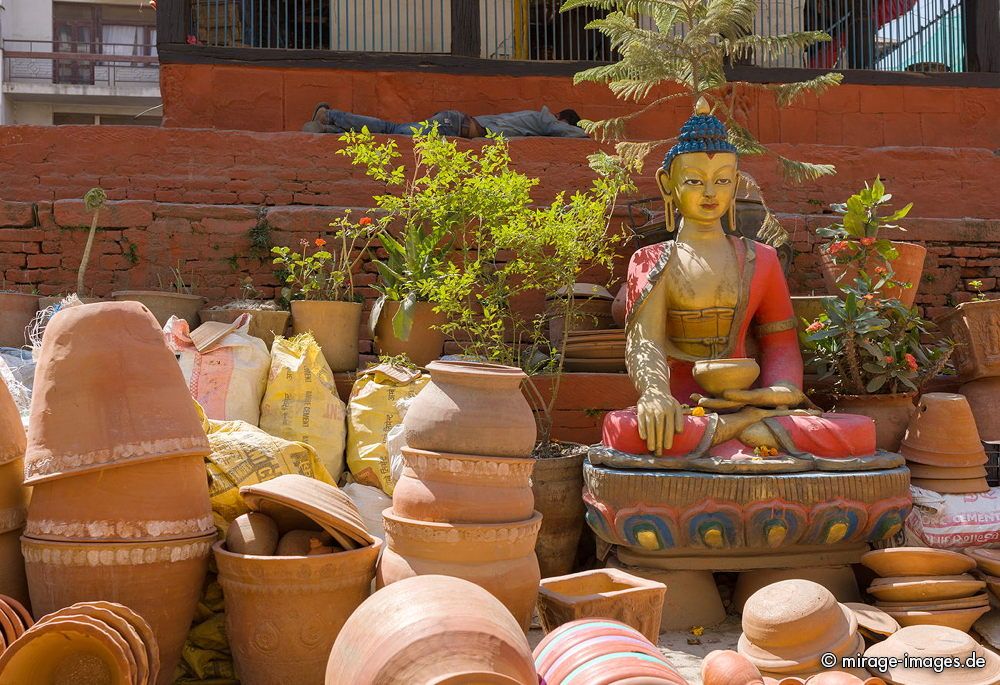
{"x":375,"y":408}
{"x":301,"y":401}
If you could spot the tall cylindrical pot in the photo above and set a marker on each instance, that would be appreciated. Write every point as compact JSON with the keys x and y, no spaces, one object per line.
{"x":160,"y":581}
{"x":164,"y":304}
{"x":984,"y":399}
{"x":907,"y":268}
{"x":557,"y":483}
{"x":284,"y":613}
{"x":16,"y":312}
{"x":471,"y":408}
{"x":891,"y":414}
{"x":498,"y":557}
{"x":336,"y":327}
{"x":264,"y":323}
{"x":431,"y":629}
{"x":426,"y":342}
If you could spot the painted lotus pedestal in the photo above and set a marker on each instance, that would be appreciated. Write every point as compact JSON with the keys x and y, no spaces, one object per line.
{"x":724,"y":464}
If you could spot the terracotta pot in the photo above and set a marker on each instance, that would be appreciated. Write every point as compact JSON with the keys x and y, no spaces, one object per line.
{"x":557,"y":483}
{"x":602,"y":593}
{"x":164,"y":304}
{"x":84,"y":419}
{"x":692,"y":597}
{"x":336,"y":327}
{"x":13,"y":498}
{"x":943,"y":433}
{"x":425,"y":343}
{"x":959,"y":619}
{"x":618,"y":306}
{"x":975,"y":326}
{"x":726,"y":667}
{"x":499,"y":557}
{"x":155,"y":500}
{"x":988,"y":560}
{"x":917,"y":561}
{"x":463,"y":488}
{"x":68,"y":651}
{"x":891,"y":414}
{"x":429,"y":628}
{"x":984,"y":400}
{"x":952,"y":486}
{"x":839,"y":580}
{"x":924,"y":588}
{"x":471,"y":408}
{"x":908,"y":268}
{"x":264,"y":323}
{"x":16,"y":312}
{"x":930,"y":642}
{"x":160,"y":581}
{"x":599,"y":652}
{"x":873,"y":621}
{"x":284,"y":613}
{"x":588,"y":315}
{"x":13,"y":441}
{"x":945,"y":472}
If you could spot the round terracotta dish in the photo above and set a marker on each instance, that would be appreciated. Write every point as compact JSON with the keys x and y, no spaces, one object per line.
{"x":959,"y":619}
{"x":926,"y":641}
{"x":916,"y":561}
{"x":952,"y":486}
{"x":873,"y":619}
{"x":980,"y":600}
{"x":945,"y":472}
{"x":988,"y":560}
{"x":925,"y":588}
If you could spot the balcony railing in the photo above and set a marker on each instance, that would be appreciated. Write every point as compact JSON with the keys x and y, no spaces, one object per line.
{"x":884,"y":35}
{"x":122,"y":67}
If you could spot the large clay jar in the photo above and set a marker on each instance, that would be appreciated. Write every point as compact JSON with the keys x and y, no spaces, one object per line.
{"x":975,"y":326}
{"x":160,"y":581}
{"x":943,"y":433}
{"x":16,"y":312}
{"x":336,"y":327}
{"x":264,"y":323}
{"x":154,"y":500}
{"x":284,"y":613}
{"x":426,"y":342}
{"x":908,"y":268}
{"x":471,"y":408}
{"x":164,"y":304}
{"x":984,"y":399}
{"x":430,"y":629}
{"x":462,"y":488}
{"x":558,"y":483}
{"x":108,"y":391}
{"x":13,"y":498}
{"x":499,"y":557}
{"x":891,"y":414}
{"x":600,"y":652}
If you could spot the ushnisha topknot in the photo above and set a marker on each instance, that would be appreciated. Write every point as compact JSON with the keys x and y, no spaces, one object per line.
{"x":703,"y":132}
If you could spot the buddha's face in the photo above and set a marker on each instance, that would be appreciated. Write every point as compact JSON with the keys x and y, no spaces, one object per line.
{"x":702,"y":186}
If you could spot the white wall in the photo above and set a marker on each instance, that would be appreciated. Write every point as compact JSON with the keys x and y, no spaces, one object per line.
{"x":28,"y":20}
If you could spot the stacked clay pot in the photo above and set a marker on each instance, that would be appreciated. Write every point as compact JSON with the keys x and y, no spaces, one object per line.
{"x":13,"y":498}
{"x":988,"y":563}
{"x":789,"y":625}
{"x":726,"y":667}
{"x":434,"y":630}
{"x":463,"y":506}
{"x":942,"y":446}
{"x":930,"y":643}
{"x":923,"y":586}
{"x":597,"y":651}
{"x":120,"y":509}
{"x":293,"y":571}
{"x":89,"y":642}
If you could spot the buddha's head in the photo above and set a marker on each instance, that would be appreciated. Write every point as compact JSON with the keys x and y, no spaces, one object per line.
{"x":699,"y":173}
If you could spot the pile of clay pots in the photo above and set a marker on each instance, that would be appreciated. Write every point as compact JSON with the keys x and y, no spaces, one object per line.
{"x":13,"y":499}
{"x":988,"y":568}
{"x":464,"y":506}
{"x":89,"y":642}
{"x":120,"y":509}
{"x":293,"y":570}
{"x":942,"y":446}
{"x":922,"y":586}
{"x":726,"y":667}
{"x":932,"y":644}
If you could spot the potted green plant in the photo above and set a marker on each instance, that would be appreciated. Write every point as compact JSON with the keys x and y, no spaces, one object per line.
{"x":267,"y":318}
{"x":853,"y":244}
{"x":320,"y":287}
{"x":974,"y":326}
{"x":173,"y":298}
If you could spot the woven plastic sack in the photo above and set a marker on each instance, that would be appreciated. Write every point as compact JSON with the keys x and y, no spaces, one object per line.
{"x":301,"y":401}
{"x":227,"y":380}
{"x":954,"y":521}
{"x":374,"y":409}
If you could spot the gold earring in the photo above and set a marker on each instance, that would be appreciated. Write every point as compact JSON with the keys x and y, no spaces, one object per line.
{"x":732,"y":218}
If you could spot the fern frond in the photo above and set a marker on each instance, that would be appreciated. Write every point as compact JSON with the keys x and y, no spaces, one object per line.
{"x":800,"y":172}
{"x":774,"y":46}
{"x":787,"y":93}
{"x":745,"y":142}
{"x":633,"y":154}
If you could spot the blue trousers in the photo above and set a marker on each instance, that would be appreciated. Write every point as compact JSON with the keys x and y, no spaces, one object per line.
{"x":449,"y":123}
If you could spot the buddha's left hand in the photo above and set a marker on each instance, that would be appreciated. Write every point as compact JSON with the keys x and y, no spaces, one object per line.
{"x":779,"y":395}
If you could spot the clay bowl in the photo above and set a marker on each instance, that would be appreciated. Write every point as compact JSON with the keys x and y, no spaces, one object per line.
{"x":84,"y":418}
{"x":959,"y":619}
{"x":927,"y":641}
{"x":945,"y":472}
{"x":718,"y":375}
{"x":957,"y":486}
{"x":993,"y":583}
{"x":988,"y":560}
{"x":12,"y":623}
{"x":980,"y":600}
{"x":725,"y":667}
{"x":916,"y":561}
{"x":925,"y":588}
{"x":873,"y":619}
{"x":943,"y":432}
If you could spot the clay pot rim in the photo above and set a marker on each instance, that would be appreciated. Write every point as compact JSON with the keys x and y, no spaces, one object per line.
{"x":861,"y":611}
{"x":91,"y":629}
{"x":192,"y":451}
{"x":181,"y":296}
{"x":429,"y":454}
{"x":6,"y":293}
{"x":91,"y":545}
{"x":952,"y":559}
{"x":792,"y":663}
{"x":220,"y":549}
{"x":977,"y":555}
{"x":922,"y":613}
{"x":241,"y":310}
{"x":636,"y":583}
{"x":536,"y":519}
{"x":98,"y":611}
{"x":474,"y":369}
{"x":979,"y":599}
{"x":891,"y":647}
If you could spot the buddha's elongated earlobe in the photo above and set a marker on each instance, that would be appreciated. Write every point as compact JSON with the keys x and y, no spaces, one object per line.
{"x":663,"y":182}
{"x":733,"y":228}
{"x":671,"y":221}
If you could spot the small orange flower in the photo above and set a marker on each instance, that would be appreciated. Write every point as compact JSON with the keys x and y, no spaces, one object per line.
{"x":911,"y":361}
{"x":698,"y":411}
{"x":889,"y":360}
{"x":868,"y":242}
{"x":869,"y":297}
{"x":881,"y":270}
{"x":320,"y":242}
{"x":365,"y":221}
{"x":838,"y":246}
{"x":815,"y":326}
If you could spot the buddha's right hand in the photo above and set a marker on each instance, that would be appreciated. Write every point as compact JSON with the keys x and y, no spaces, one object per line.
{"x":660,"y":416}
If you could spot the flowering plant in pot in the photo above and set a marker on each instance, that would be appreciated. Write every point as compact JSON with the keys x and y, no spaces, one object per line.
{"x":854,"y":245}
{"x":876,"y":351}
{"x":319,"y":284}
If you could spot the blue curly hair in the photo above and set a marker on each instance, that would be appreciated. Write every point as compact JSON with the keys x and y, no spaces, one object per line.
{"x":703,"y":132}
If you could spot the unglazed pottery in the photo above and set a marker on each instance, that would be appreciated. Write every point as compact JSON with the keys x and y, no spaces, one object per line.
{"x":873,"y":619}
{"x":164,"y":304}
{"x":471,"y":408}
{"x":84,"y":419}
{"x":952,"y":486}
{"x":602,"y":593}
{"x":943,"y":433}
{"x":988,"y":560}
{"x":726,"y":667}
{"x":907,"y":268}
{"x":979,"y":600}
{"x":463,"y":488}
{"x":557,"y":483}
{"x":891,"y":414}
{"x":499,"y":557}
{"x":692,"y":597}
{"x":926,"y":641}
{"x":300,"y":543}
{"x":155,"y":500}
{"x":600,"y":651}
{"x":284,"y":613}
{"x":959,"y":619}
{"x":945,"y":472}
{"x":425,"y":344}
{"x":16,"y":312}
{"x":264,"y":323}
{"x":917,"y":561}
{"x":336,"y":326}
{"x":841,"y":678}
{"x":13,"y":498}
{"x":429,"y":627}
{"x":984,"y":400}
{"x":160,"y":581}
{"x":974,"y":325}
{"x":252,"y":533}
{"x":839,"y":580}
{"x":925,"y":588}
{"x":718,"y":375}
